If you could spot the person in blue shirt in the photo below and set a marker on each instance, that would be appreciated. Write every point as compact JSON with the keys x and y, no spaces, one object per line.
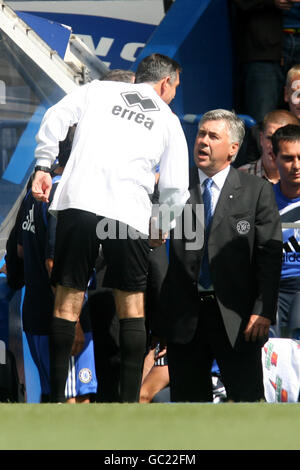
{"x":286,"y":154}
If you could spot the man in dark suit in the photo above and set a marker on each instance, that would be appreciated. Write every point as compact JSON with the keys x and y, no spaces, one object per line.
{"x":226,"y":317}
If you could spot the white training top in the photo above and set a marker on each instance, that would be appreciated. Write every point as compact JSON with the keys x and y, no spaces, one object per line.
{"x":123,"y":132}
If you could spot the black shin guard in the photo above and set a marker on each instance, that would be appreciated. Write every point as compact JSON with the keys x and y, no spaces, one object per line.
{"x":61,"y":337}
{"x":133,"y":348}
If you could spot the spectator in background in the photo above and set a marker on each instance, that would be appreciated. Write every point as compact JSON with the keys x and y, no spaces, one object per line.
{"x":258,"y":35}
{"x":251,"y":148}
{"x":291,"y":36}
{"x":155,"y":377}
{"x":286,"y":154}
{"x":36,"y":247}
{"x":123,"y":132}
{"x":267,"y":35}
{"x":292,"y":90}
{"x":265,"y":166}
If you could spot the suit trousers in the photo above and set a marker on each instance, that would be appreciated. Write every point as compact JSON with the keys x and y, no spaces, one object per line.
{"x":190,"y":364}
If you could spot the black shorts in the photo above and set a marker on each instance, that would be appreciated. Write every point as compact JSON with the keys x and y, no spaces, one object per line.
{"x":77,"y":248}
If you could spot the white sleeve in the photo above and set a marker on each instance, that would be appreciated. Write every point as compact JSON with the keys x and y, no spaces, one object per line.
{"x":174,"y":176}
{"x":55,"y":125}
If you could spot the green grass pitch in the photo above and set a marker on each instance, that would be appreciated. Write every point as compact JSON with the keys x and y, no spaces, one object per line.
{"x":228,"y":426}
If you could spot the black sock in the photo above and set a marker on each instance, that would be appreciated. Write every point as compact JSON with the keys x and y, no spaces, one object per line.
{"x":133,"y":348}
{"x":61,"y":337}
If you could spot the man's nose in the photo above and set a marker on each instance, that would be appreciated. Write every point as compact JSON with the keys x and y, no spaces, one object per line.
{"x":296,"y":163}
{"x":203,"y":139}
{"x":269,"y":145}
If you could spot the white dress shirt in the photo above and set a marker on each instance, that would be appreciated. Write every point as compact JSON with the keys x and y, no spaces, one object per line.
{"x":218,"y":183}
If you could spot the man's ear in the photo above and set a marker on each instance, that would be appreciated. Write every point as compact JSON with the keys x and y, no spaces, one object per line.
{"x":165,"y":83}
{"x":260,"y":137}
{"x":285,"y":94}
{"x":234,"y":148}
{"x":273,"y":156}
{"x":160,"y":87}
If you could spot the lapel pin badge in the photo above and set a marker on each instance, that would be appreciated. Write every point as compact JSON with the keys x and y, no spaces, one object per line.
{"x":243,"y":227}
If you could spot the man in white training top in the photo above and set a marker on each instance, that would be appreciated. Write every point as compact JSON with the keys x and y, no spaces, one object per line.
{"x":123,"y":132}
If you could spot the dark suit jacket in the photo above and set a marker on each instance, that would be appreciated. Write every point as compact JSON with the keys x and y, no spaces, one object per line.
{"x":245,"y":253}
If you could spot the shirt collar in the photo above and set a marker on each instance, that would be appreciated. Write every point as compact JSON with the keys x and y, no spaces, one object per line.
{"x":218,"y":179}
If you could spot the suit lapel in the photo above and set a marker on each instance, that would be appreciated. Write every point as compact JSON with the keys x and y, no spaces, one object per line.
{"x":229,"y":193}
{"x":197,"y":214}
{"x":196,"y":196}
{"x":194,"y":189}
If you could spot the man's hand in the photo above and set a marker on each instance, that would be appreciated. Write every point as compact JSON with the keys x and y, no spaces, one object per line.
{"x":158,"y":240}
{"x":161,"y":342}
{"x":156,"y":236}
{"x":257,"y":328}
{"x":41,"y":186}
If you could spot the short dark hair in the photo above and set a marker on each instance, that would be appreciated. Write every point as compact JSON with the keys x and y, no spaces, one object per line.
{"x":155,"y":67}
{"x":289,"y":133}
{"x":119,"y":75}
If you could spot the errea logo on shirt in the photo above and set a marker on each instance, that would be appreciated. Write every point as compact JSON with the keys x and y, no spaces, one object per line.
{"x":134,"y":99}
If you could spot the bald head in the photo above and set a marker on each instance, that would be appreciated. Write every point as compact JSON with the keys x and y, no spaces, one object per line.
{"x":280,"y":117}
{"x":273,"y":121}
